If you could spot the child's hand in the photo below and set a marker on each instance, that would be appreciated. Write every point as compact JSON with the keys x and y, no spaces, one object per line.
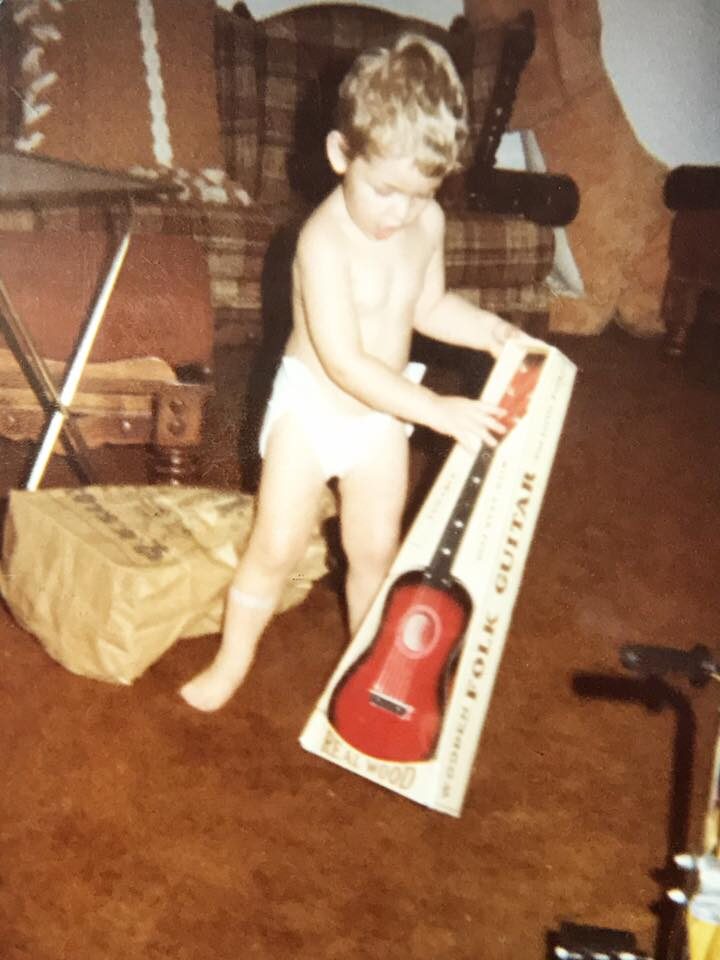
{"x":504,"y":331}
{"x":470,"y":422}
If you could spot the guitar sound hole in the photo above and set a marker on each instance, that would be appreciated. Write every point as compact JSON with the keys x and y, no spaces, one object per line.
{"x":419,"y":632}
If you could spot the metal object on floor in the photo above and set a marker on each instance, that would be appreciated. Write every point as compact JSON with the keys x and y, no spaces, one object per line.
{"x":694,"y":931}
{"x":576,"y":941}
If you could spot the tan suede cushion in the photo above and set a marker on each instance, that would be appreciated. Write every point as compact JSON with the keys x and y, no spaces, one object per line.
{"x":160,"y":305}
{"x":88,"y":72}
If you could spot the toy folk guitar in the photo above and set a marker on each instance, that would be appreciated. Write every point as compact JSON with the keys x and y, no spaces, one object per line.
{"x":389,"y":704}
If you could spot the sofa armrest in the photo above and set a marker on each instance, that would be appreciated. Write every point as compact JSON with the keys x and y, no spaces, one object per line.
{"x":545,"y":198}
{"x":693,"y":188}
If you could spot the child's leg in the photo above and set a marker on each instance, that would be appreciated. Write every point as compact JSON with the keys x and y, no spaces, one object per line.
{"x":373,"y":496}
{"x":287,"y":508}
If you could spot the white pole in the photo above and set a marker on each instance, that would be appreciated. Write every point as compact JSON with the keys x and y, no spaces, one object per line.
{"x":77,"y":366}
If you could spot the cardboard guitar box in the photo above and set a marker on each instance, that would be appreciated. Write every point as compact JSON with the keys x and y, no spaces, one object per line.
{"x":407,"y":702}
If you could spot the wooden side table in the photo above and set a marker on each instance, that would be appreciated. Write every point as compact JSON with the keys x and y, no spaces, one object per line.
{"x":694,"y":193}
{"x":24,"y":179}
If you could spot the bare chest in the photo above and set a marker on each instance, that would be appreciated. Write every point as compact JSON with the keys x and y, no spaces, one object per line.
{"x":385,"y":287}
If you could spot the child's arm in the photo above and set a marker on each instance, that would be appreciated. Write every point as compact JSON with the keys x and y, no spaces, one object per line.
{"x":334,"y":331}
{"x":442,"y":315}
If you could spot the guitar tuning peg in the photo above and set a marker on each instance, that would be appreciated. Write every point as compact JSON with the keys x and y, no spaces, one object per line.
{"x":686,"y":861}
{"x":677,"y":896}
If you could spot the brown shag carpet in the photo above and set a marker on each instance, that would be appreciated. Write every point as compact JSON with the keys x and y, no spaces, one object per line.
{"x":132,"y":828}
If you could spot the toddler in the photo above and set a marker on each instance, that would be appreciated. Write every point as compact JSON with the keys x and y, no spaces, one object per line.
{"x":368,"y":272}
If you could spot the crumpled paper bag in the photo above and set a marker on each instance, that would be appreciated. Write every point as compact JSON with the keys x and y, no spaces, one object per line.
{"x":703,"y":939}
{"x":108,"y":578}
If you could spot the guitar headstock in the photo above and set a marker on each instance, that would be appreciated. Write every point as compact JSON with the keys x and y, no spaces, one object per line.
{"x":516,"y":398}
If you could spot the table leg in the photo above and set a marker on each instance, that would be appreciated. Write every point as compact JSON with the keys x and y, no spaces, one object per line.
{"x":60,"y":416}
{"x":679,"y":309}
{"x":40,"y":381}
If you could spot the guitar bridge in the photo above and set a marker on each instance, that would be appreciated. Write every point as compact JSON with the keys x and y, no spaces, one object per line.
{"x":396,"y":707}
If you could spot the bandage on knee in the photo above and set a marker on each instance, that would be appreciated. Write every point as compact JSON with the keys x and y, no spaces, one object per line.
{"x":251,"y":600}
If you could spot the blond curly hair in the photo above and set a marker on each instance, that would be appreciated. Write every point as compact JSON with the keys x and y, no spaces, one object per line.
{"x":406,"y":99}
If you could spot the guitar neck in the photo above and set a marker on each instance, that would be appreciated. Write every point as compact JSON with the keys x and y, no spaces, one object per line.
{"x":514,"y":404}
{"x":438,"y":572}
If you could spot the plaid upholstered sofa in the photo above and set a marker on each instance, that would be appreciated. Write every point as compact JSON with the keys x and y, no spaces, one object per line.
{"x":232,"y":113}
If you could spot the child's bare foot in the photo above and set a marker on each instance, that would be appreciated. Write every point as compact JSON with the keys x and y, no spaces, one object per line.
{"x":213,"y":687}
{"x":246,"y":615}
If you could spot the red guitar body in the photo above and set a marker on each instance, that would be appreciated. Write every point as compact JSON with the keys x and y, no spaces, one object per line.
{"x":389,"y":704}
